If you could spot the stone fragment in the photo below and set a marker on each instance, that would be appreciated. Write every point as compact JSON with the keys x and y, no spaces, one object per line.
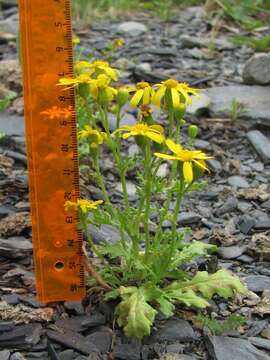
{"x":231,"y":252}
{"x":260,"y":343}
{"x":127,"y":351}
{"x":199,"y":105}
{"x":176,"y":330}
{"x":4,"y":355}
{"x":102,"y":340}
{"x":257,"y":283}
{"x":257,"y":70}
{"x":254,"y":98}
{"x":131,"y":28}
{"x":187,"y":218}
{"x":238,"y":182}
{"x":106,"y":234}
{"x":15,"y":224}
{"x":229,"y":205}
{"x":15,"y":247}
{"x":246,"y":223}
{"x":224,"y":348}
{"x":261,"y":144}
{"x":11,"y":125}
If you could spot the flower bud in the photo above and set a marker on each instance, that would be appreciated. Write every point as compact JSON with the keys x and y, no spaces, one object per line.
{"x":182,"y":122}
{"x":193,"y":131}
{"x":122,"y":97}
{"x":180,"y":111}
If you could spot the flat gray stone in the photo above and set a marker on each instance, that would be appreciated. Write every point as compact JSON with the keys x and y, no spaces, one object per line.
{"x":231,"y":252}
{"x":11,"y":124}
{"x":257,"y":70}
{"x":199,"y":104}
{"x":10,"y":25}
{"x":257,"y":283}
{"x":238,"y":182}
{"x":176,"y":330}
{"x":186,"y":218}
{"x":224,"y":348}
{"x":131,"y":28}
{"x":260,"y":343}
{"x":4,"y":354}
{"x":255,"y":99}
{"x":261,"y":144}
{"x":106,"y":234}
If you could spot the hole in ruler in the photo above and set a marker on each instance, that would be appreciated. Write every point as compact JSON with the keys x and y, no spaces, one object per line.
{"x":59,"y":265}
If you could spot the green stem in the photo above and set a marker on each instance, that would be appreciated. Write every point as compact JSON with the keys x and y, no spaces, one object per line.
{"x":148,"y":180}
{"x":171,"y":121}
{"x":114,"y":146}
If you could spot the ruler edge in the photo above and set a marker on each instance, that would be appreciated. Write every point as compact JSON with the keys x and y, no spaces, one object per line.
{"x":24,"y":10}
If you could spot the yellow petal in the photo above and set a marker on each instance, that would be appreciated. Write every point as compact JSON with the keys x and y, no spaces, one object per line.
{"x":188,"y":171}
{"x":165,"y":156}
{"x":175,"y":98}
{"x":136,"y":98}
{"x":175,"y":148}
{"x":201,"y":164}
{"x":146,"y":96}
{"x":158,"y":128}
{"x":158,"y":96}
{"x":155,"y":137}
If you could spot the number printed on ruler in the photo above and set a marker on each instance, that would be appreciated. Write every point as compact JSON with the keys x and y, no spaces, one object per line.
{"x":50,"y":117}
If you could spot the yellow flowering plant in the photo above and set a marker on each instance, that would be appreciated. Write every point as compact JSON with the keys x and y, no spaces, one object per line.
{"x":145,"y":267}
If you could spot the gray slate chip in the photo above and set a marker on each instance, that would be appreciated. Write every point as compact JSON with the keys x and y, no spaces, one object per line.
{"x":226,"y":348}
{"x":261,"y":144}
{"x":257,"y":283}
{"x":176,"y":330}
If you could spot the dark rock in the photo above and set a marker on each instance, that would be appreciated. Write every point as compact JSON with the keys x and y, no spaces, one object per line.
{"x":262,"y":224}
{"x":224,"y":348}
{"x":238,"y":182}
{"x":74,"y":307}
{"x":176,"y":330}
{"x":68,"y":354}
{"x":102,"y":340}
{"x":261,"y":144}
{"x":94,"y":320}
{"x":246,"y":223}
{"x":72,"y":340}
{"x":187,"y":218}
{"x":11,"y":299}
{"x":21,"y":337}
{"x":257,"y":70}
{"x":231,"y":252}
{"x":256,"y":328}
{"x":260,"y":343}
{"x":6,"y":326}
{"x":105,"y":234}
{"x":214,"y":165}
{"x":230,"y":205}
{"x":257,"y":283}
{"x":15,"y":247}
{"x":127,"y":351}
{"x":16,"y":156}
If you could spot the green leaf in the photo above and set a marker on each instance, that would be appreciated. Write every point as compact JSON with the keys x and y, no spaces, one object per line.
{"x":188,"y":298}
{"x":112,"y":295}
{"x":113,"y":251}
{"x":191,"y":251}
{"x":134,"y":314}
{"x":222,"y":283}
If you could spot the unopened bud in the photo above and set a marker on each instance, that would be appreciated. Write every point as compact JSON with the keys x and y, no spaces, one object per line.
{"x":180,"y":111}
{"x":193,"y":131}
{"x":122,"y":97}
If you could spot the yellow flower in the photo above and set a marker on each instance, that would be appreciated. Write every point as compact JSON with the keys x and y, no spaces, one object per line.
{"x":94,"y":136}
{"x":188,"y":158}
{"x":119,"y":42}
{"x":76,"y":40}
{"x":99,"y":67}
{"x":82,"y":204}
{"x":72,"y":82}
{"x":153,"y":132}
{"x":101,"y":86}
{"x":175,"y":89}
{"x":143,"y":94}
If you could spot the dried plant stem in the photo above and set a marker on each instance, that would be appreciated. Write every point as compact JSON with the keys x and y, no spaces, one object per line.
{"x":90,"y":268}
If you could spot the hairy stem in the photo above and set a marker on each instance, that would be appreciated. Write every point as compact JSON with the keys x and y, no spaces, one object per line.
{"x":148,"y":180}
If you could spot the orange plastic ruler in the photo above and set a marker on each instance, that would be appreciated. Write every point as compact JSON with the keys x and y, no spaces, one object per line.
{"x":50,"y":117}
